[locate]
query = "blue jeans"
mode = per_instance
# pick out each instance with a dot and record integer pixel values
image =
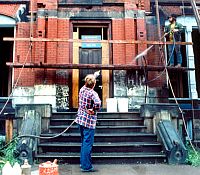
(87, 140)
(172, 49)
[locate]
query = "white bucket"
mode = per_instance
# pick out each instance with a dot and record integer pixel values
(111, 104)
(122, 104)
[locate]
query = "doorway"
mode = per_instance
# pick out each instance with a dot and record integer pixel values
(6, 55)
(91, 53)
(179, 80)
(90, 56)
(196, 48)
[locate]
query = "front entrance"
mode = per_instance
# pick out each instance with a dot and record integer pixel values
(196, 48)
(6, 55)
(91, 53)
(90, 56)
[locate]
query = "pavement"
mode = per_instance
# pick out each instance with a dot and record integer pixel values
(126, 169)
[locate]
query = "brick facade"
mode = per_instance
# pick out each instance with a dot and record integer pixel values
(51, 20)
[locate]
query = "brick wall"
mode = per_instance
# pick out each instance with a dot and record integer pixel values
(59, 52)
(23, 53)
(118, 34)
(130, 34)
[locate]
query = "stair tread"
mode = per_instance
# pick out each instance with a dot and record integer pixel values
(103, 155)
(101, 119)
(103, 134)
(64, 144)
(120, 137)
(107, 113)
(98, 127)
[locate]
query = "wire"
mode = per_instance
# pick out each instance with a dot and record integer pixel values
(168, 78)
(39, 137)
(181, 111)
(171, 54)
(16, 80)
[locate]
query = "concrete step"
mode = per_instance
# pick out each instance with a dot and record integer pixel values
(102, 122)
(103, 137)
(119, 138)
(115, 157)
(99, 147)
(72, 115)
(100, 129)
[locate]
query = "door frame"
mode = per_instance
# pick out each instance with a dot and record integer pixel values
(106, 59)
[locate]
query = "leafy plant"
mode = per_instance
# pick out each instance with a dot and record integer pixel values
(193, 156)
(7, 153)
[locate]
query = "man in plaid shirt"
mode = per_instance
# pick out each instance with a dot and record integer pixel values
(89, 104)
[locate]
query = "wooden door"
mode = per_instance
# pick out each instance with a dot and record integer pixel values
(90, 56)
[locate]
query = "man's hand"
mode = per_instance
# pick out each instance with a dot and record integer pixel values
(166, 34)
(97, 73)
(175, 30)
(90, 111)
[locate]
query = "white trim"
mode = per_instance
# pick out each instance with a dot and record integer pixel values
(189, 22)
(14, 52)
(6, 21)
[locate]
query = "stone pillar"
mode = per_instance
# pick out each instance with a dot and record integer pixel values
(41, 113)
(32, 119)
(190, 63)
(154, 112)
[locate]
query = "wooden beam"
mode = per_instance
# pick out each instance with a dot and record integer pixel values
(31, 39)
(9, 130)
(96, 66)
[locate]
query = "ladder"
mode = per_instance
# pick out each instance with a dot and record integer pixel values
(196, 13)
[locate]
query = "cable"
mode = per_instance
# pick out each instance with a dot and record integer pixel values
(145, 75)
(181, 111)
(168, 78)
(17, 80)
(39, 137)
(149, 81)
(184, 123)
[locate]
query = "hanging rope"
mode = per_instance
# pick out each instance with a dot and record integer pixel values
(18, 78)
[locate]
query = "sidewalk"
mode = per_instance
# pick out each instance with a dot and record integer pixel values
(128, 169)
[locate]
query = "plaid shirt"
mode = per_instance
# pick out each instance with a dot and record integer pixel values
(88, 99)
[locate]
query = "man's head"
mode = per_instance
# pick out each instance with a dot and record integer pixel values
(90, 81)
(172, 18)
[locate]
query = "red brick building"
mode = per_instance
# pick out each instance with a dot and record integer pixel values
(46, 51)
(57, 28)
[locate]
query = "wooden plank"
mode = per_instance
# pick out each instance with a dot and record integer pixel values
(94, 41)
(9, 130)
(97, 66)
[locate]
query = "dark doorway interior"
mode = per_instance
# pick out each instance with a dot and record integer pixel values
(90, 56)
(179, 79)
(6, 55)
(196, 48)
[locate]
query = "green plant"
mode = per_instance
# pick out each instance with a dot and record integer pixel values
(193, 156)
(7, 153)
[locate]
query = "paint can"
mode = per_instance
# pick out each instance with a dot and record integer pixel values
(49, 168)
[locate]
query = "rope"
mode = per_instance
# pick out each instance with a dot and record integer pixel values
(17, 79)
(168, 78)
(39, 137)
(181, 111)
